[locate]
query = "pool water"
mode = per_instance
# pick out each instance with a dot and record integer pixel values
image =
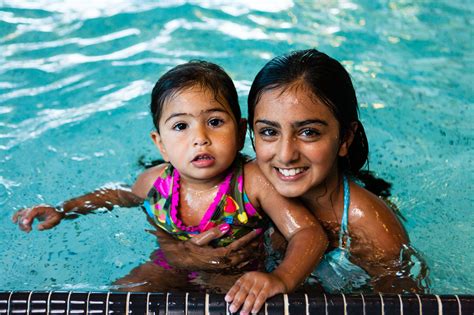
(75, 81)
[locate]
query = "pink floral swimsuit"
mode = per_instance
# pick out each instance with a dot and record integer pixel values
(231, 205)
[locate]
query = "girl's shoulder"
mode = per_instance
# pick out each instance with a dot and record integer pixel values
(366, 201)
(371, 217)
(145, 180)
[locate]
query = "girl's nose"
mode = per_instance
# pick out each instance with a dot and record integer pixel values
(288, 151)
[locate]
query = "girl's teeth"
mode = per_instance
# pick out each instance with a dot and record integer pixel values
(291, 171)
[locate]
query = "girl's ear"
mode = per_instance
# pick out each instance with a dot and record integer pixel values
(156, 138)
(242, 133)
(348, 138)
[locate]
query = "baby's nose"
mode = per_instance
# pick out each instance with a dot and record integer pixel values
(201, 141)
(201, 137)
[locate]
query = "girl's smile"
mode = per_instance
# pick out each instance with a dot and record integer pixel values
(289, 174)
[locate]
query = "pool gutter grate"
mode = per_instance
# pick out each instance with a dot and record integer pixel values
(65, 302)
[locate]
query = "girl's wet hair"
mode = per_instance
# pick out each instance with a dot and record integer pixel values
(199, 73)
(330, 83)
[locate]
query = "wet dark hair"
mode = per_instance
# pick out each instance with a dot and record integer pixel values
(194, 73)
(330, 83)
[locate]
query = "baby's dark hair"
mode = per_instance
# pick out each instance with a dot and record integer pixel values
(194, 73)
(329, 82)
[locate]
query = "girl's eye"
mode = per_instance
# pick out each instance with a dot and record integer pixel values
(267, 132)
(180, 126)
(309, 133)
(215, 122)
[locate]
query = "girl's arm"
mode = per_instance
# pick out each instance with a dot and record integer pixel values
(307, 243)
(195, 253)
(100, 198)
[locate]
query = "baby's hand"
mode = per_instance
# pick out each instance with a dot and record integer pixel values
(48, 214)
(252, 290)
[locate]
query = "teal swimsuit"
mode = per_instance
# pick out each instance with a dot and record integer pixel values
(335, 272)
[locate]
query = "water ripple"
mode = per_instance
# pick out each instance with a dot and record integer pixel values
(54, 118)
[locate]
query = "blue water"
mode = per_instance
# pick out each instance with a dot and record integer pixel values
(75, 80)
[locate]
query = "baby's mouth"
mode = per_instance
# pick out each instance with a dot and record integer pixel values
(201, 157)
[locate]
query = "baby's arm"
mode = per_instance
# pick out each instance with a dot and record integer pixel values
(306, 245)
(51, 216)
(101, 198)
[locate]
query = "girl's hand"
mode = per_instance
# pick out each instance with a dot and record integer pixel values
(195, 254)
(252, 290)
(48, 214)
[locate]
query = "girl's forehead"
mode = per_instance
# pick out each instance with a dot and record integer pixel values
(295, 100)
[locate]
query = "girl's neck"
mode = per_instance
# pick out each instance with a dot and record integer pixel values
(327, 195)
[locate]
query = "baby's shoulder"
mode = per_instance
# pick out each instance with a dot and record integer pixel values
(252, 173)
(256, 184)
(146, 179)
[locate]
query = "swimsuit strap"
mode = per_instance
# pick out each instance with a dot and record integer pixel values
(222, 191)
(344, 232)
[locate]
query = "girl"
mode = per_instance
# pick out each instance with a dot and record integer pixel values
(199, 132)
(310, 144)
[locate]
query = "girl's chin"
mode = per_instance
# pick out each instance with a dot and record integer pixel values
(289, 190)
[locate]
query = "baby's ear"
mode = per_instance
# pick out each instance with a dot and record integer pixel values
(156, 138)
(242, 132)
(348, 138)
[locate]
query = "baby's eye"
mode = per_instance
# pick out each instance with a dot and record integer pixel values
(267, 132)
(180, 126)
(215, 122)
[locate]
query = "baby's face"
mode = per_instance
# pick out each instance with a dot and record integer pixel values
(198, 135)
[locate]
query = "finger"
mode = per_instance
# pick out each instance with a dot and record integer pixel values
(250, 300)
(260, 300)
(240, 256)
(206, 237)
(17, 215)
(239, 297)
(49, 223)
(229, 297)
(24, 222)
(244, 240)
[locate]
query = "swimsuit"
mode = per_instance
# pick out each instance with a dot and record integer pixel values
(335, 272)
(231, 205)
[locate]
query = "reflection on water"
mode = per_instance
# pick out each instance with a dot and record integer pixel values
(75, 80)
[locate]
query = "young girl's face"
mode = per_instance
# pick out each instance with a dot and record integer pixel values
(297, 140)
(198, 135)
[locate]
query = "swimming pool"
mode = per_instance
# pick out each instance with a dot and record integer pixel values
(74, 89)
